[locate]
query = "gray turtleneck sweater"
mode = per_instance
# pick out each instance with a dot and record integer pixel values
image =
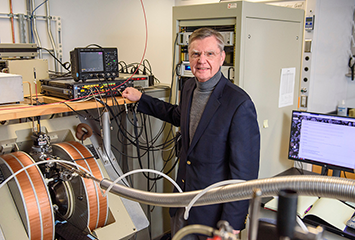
(200, 98)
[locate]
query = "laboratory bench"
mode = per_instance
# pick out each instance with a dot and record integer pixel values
(50, 105)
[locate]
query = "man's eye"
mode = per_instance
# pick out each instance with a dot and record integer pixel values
(195, 54)
(209, 54)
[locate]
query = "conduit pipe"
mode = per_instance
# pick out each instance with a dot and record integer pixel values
(34, 28)
(321, 186)
(29, 20)
(49, 30)
(12, 22)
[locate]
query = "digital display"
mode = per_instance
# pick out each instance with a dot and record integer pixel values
(94, 63)
(323, 139)
(91, 61)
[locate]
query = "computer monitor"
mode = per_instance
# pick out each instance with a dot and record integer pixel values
(323, 139)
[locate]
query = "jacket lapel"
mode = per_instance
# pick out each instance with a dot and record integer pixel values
(186, 112)
(209, 112)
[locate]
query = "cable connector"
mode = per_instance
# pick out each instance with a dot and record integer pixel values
(80, 172)
(125, 106)
(124, 101)
(151, 80)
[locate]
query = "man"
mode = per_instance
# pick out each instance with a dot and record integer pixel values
(219, 130)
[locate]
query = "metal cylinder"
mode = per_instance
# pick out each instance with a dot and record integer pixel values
(22, 30)
(286, 213)
(254, 214)
(106, 133)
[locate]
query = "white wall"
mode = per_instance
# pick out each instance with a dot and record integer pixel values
(116, 23)
(331, 46)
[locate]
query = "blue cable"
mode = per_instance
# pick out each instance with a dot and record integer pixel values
(38, 7)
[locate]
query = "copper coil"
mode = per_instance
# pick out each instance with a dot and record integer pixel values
(34, 198)
(97, 203)
(96, 171)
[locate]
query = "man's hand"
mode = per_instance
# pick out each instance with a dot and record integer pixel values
(132, 94)
(236, 233)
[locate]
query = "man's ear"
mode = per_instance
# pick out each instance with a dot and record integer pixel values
(223, 57)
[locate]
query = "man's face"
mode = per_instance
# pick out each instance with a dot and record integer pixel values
(205, 58)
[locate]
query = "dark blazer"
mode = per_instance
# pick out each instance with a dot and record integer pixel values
(226, 145)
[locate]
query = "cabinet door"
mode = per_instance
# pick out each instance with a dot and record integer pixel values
(268, 47)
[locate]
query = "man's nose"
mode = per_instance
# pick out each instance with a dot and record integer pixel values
(202, 58)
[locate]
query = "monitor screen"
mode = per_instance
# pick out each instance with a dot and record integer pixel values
(91, 61)
(323, 139)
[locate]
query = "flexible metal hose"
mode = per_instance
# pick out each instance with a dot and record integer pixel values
(321, 186)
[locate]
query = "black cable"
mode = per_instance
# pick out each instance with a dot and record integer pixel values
(160, 177)
(135, 142)
(149, 144)
(74, 110)
(134, 66)
(138, 152)
(125, 133)
(82, 137)
(150, 67)
(129, 177)
(122, 67)
(59, 75)
(62, 64)
(121, 130)
(111, 163)
(156, 80)
(93, 44)
(125, 65)
(300, 170)
(148, 158)
(108, 156)
(148, 178)
(137, 145)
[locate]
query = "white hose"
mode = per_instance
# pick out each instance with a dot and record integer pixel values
(42, 162)
(215, 185)
(141, 170)
(301, 223)
(193, 229)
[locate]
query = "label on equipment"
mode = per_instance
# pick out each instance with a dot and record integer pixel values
(231, 5)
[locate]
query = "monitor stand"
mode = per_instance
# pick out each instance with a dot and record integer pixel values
(336, 173)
